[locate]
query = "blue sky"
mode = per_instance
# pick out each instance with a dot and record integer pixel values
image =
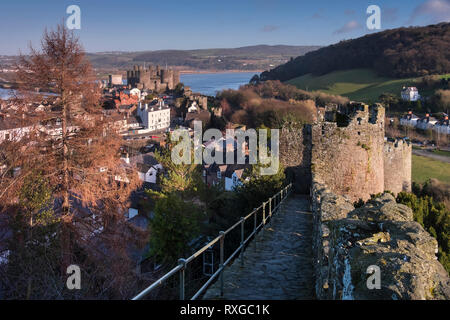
(132, 25)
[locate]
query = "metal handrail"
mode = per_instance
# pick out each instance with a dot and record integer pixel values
(182, 263)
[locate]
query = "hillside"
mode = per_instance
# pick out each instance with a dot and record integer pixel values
(356, 84)
(244, 58)
(396, 53)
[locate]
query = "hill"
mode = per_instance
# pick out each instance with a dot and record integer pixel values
(356, 84)
(258, 57)
(396, 53)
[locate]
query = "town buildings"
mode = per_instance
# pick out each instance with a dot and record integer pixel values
(409, 119)
(426, 123)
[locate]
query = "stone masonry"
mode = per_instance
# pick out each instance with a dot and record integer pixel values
(155, 79)
(347, 150)
(347, 241)
(397, 165)
(348, 156)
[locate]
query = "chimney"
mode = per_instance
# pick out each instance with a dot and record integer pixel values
(427, 115)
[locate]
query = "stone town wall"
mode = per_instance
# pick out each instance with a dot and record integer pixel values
(397, 165)
(352, 158)
(295, 155)
(349, 158)
(346, 241)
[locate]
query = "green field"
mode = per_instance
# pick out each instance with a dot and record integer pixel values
(356, 84)
(426, 168)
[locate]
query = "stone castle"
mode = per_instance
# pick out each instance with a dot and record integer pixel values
(346, 149)
(153, 78)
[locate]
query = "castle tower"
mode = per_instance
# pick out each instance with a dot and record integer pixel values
(397, 165)
(348, 156)
(176, 78)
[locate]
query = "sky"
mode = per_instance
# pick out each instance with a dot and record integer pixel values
(132, 25)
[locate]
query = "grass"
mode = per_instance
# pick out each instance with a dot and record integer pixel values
(356, 84)
(425, 168)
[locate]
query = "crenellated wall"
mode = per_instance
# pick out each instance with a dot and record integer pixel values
(381, 234)
(397, 165)
(347, 154)
(151, 78)
(347, 150)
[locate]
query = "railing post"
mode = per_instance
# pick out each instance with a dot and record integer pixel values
(182, 262)
(275, 203)
(255, 222)
(222, 240)
(242, 241)
(264, 214)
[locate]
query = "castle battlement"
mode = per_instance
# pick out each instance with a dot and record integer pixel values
(153, 78)
(350, 154)
(395, 144)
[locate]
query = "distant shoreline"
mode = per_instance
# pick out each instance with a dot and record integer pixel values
(218, 71)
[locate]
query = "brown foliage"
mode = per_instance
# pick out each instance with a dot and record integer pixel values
(271, 103)
(80, 158)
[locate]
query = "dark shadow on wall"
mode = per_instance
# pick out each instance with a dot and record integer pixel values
(300, 174)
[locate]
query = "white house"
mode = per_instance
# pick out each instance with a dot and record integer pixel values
(426, 122)
(443, 126)
(148, 167)
(409, 120)
(193, 107)
(233, 181)
(9, 130)
(155, 116)
(149, 173)
(234, 176)
(410, 94)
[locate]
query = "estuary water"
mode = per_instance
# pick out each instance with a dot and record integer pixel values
(4, 93)
(204, 83)
(210, 83)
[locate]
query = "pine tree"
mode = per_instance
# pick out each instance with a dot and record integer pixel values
(70, 141)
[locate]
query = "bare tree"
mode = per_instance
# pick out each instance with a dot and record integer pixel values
(68, 139)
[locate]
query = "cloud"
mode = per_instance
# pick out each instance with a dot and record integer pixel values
(349, 12)
(389, 14)
(349, 27)
(270, 28)
(319, 14)
(433, 11)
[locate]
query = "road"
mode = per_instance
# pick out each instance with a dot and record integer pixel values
(431, 155)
